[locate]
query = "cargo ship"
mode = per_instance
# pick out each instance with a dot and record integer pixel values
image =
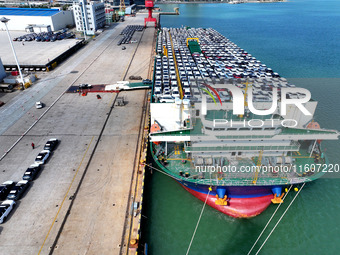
(227, 128)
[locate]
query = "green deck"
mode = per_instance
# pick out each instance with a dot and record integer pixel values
(177, 161)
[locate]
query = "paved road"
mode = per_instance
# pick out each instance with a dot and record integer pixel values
(21, 104)
(95, 223)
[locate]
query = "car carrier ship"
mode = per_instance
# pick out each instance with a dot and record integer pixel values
(238, 160)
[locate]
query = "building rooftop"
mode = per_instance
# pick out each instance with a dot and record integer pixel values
(27, 12)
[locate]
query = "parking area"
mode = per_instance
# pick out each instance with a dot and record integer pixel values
(32, 53)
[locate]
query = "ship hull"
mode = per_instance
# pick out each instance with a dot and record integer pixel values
(243, 201)
(238, 206)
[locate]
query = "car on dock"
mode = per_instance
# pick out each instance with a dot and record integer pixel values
(42, 157)
(5, 189)
(31, 172)
(85, 86)
(51, 144)
(5, 208)
(38, 105)
(18, 190)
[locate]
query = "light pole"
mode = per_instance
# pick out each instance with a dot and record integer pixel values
(5, 20)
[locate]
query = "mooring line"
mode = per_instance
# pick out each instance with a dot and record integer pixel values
(280, 219)
(269, 221)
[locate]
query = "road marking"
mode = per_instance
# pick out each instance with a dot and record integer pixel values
(68, 190)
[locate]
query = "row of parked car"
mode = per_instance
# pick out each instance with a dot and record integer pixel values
(11, 191)
(44, 37)
(216, 58)
(128, 32)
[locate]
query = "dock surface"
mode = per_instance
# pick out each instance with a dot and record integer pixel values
(32, 53)
(80, 203)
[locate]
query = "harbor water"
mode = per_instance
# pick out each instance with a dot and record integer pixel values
(299, 39)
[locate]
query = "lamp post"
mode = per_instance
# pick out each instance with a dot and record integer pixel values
(5, 20)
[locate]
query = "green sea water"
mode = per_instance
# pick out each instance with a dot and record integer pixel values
(300, 40)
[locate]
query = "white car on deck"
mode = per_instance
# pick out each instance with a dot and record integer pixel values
(167, 99)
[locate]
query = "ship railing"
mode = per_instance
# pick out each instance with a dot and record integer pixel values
(249, 181)
(295, 146)
(245, 178)
(243, 136)
(300, 131)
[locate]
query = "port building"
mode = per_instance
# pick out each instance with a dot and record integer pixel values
(22, 18)
(89, 16)
(2, 71)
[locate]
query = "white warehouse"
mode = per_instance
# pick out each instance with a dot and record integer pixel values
(89, 16)
(21, 18)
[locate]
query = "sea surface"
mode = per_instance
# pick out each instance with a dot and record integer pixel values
(299, 39)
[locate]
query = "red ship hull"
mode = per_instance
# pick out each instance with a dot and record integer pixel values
(237, 207)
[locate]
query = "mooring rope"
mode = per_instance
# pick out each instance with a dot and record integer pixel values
(265, 227)
(162, 172)
(198, 222)
(199, 219)
(280, 219)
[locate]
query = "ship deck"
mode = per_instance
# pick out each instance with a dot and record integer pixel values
(180, 166)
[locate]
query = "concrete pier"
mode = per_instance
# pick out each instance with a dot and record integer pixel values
(34, 55)
(81, 201)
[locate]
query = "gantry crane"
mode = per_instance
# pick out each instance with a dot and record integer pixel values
(149, 5)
